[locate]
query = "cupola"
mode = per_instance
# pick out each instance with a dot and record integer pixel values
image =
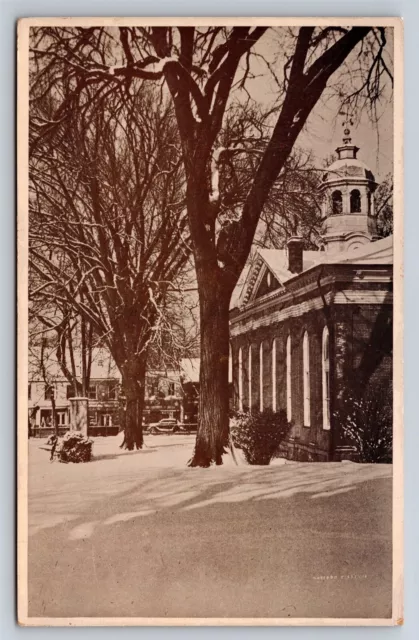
(347, 188)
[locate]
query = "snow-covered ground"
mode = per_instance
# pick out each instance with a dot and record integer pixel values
(141, 534)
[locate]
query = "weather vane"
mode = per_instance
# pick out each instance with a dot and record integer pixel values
(346, 124)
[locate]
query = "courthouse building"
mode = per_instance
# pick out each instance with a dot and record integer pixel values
(309, 326)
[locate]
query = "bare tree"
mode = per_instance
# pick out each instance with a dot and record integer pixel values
(108, 229)
(42, 366)
(384, 206)
(69, 335)
(204, 69)
(293, 206)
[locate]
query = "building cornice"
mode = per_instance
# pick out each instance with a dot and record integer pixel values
(320, 278)
(247, 322)
(341, 181)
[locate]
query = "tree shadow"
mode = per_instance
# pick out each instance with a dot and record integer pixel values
(187, 491)
(115, 456)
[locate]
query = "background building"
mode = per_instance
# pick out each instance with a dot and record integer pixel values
(168, 394)
(102, 393)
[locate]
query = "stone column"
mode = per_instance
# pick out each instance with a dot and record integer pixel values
(364, 201)
(346, 208)
(79, 415)
(372, 209)
(324, 206)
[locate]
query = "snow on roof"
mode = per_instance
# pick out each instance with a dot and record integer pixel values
(379, 252)
(347, 167)
(277, 261)
(235, 298)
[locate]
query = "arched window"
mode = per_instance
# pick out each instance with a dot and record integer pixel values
(337, 203)
(240, 379)
(306, 380)
(355, 201)
(326, 379)
(274, 375)
(250, 377)
(289, 391)
(261, 377)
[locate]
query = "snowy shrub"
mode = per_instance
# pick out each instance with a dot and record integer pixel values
(72, 447)
(367, 422)
(259, 434)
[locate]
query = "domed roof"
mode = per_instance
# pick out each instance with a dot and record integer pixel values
(348, 168)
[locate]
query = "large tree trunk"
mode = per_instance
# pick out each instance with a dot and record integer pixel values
(134, 389)
(213, 422)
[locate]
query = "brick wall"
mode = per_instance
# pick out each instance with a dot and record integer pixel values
(362, 341)
(364, 355)
(310, 439)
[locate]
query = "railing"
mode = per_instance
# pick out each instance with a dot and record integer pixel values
(45, 432)
(92, 431)
(98, 431)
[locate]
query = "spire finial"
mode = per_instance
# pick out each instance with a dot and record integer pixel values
(346, 124)
(347, 150)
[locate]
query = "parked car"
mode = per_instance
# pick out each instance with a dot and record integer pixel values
(166, 425)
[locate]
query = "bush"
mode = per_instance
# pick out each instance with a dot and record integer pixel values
(72, 447)
(367, 421)
(259, 434)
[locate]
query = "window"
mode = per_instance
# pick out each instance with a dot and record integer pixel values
(49, 393)
(29, 391)
(46, 418)
(92, 392)
(274, 375)
(61, 418)
(289, 391)
(112, 392)
(104, 419)
(306, 379)
(355, 201)
(336, 202)
(261, 377)
(326, 379)
(70, 392)
(250, 377)
(240, 379)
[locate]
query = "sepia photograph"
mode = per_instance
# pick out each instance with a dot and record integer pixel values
(210, 260)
